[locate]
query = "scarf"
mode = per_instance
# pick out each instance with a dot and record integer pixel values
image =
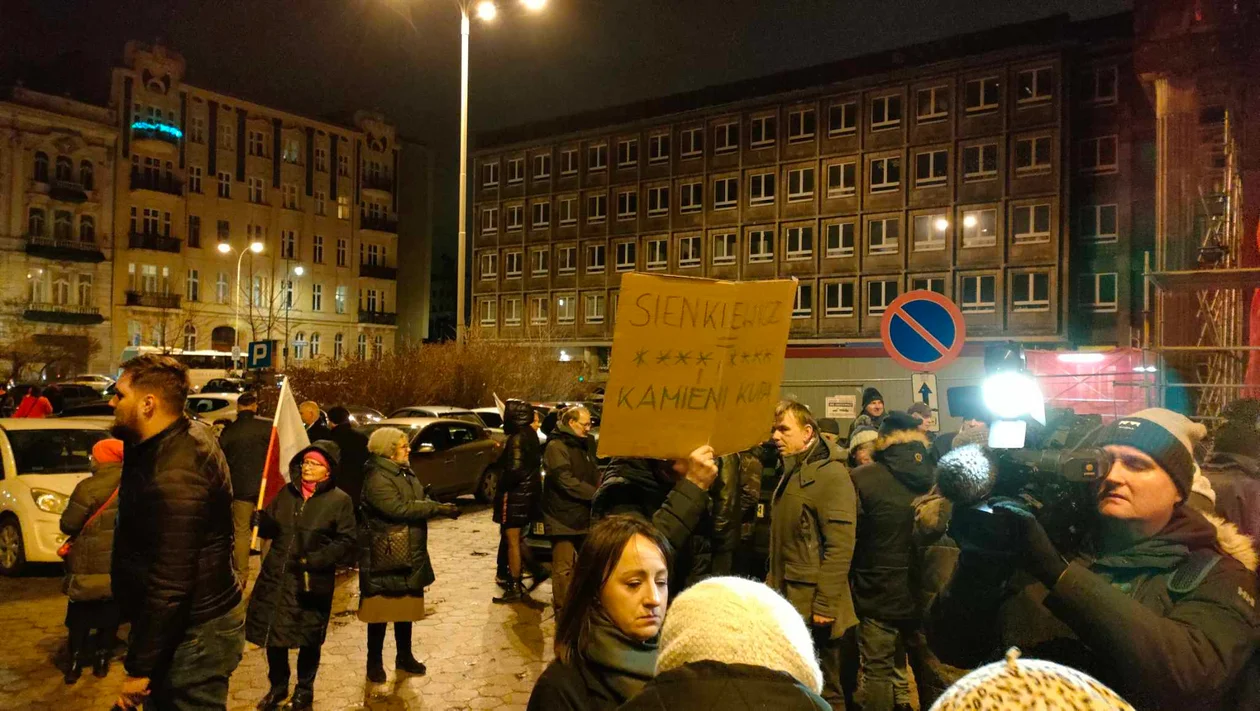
(308, 488)
(624, 665)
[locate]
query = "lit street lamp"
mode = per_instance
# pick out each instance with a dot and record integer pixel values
(295, 270)
(225, 248)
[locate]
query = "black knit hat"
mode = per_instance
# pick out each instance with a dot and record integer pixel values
(1164, 435)
(870, 395)
(898, 421)
(829, 425)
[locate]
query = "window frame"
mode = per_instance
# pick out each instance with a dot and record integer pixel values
(1033, 236)
(976, 241)
(885, 186)
(756, 180)
(596, 258)
(658, 148)
(848, 111)
(1094, 98)
(1097, 236)
(763, 241)
(693, 247)
(539, 310)
(596, 208)
(804, 236)
(568, 210)
(884, 298)
(691, 142)
(659, 194)
(840, 310)
(1030, 304)
(802, 175)
(763, 131)
(883, 247)
(725, 137)
(806, 114)
(979, 306)
(840, 251)
(983, 107)
(803, 301)
(937, 241)
(729, 189)
(935, 156)
(1094, 165)
(515, 170)
(515, 220)
(512, 315)
(1035, 167)
(537, 220)
(1037, 97)
(539, 261)
(935, 95)
(627, 265)
(488, 312)
(596, 315)
(1094, 281)
(569, 161)
(729, 241)
(542, 166)
(657, 254)
(690, 197)
(509, 257)
(887, 101)
(566, 309)
(627, 205)
(488, 267)
(597, 157)
(627, 153)
(566, 260)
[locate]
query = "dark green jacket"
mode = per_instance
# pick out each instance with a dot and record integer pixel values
(1158, 629)
(87, 568)
(812, 535)
(393, 496)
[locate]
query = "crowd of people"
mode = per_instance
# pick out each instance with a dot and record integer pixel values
(813, 571)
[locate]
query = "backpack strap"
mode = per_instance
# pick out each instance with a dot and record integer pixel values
(1190, 574)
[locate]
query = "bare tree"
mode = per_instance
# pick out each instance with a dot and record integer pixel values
(29, 348)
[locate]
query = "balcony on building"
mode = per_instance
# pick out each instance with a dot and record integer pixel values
(64, 250)
(379, 224)
(157, 243)
(378, 318)
(153, 300)
(156, 182)
(378, 271)
(63, 313)
(67, 191)
(381, 185)
(155, 137)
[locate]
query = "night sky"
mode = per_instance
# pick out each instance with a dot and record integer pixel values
(326, 57)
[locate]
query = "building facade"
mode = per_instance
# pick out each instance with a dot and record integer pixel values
(201, 176)
(56, 215)
(1000, 169)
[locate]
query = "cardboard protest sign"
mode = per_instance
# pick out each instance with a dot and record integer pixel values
(694, 362)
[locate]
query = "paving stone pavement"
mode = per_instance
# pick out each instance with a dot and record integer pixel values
(479, 655)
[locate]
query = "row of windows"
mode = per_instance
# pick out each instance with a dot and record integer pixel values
(62, 225)
(932, 104)
(290, 194)
(929, 232)
(301, 344)
(1032, 156)
(63, 170)
(154, 279)
(1028, 292)
(61, 288)
(258, 144)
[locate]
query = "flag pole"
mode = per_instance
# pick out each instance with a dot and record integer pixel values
(272, 443)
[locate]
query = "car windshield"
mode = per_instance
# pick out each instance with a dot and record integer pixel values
(491, 419)
(54, 451)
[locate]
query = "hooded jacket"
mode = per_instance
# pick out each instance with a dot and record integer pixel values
(1236, 480)
(292, 599)
(1168, 623)
(572, 478)
(520, 468)
(678, 508)
(812, 534)
(172, 559)
(883, 581)
(87, 568)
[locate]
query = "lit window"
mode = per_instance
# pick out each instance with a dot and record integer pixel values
(929, 232)
(566, 309)
(979, 228)
(1030, 292)
(982, 95)
(838, 300)
(1031, 224)
(978, 294)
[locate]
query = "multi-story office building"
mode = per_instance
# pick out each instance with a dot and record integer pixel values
(998, 168)
(56, 209)
(202, 175)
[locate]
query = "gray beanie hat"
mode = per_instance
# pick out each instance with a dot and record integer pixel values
(1166, 436)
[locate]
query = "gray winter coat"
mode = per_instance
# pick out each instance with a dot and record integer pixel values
(87, 568)
(392, 497)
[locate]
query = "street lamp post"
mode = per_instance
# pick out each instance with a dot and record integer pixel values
(486, 11)
(288, 304)
(225, 248)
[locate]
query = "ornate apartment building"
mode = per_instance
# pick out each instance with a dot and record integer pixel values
(56, 212)
(125, 224)
(1001, 169)
(198, 170)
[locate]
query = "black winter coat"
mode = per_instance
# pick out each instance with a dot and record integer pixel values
(882, 575)
(572, 478)
(292, 599)
(172, 563)
(392, 497)
(728, 687)
(354, 455)
(1236, 481)
(570, 686)
(244, 443)
(679, 510)
(87, 568)
(1162, 636)
(520, 480)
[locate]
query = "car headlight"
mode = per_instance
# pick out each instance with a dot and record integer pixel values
(49, 501)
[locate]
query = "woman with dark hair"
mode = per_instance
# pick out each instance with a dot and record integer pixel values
(606, 633)
(520, 490)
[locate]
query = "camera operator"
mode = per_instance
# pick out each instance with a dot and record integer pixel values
(1163, 609)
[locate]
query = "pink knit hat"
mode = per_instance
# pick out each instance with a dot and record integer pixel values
(318, 457)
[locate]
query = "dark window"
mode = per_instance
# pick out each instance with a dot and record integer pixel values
(54, 451)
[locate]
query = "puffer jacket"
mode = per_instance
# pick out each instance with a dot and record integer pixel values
(572, 477)
(292, 599)
(172, 562)
(1168, 623)
(881, 577)
(87, 568)
(520, 468)
(392, 497)
(730, 687)
(679, 509)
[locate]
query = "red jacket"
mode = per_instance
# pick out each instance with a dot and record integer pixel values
(37, 408)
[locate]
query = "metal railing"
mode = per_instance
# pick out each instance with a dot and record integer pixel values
(158, 243)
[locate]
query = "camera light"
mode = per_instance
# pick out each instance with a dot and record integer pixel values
(1081, 357)
(1010, 395)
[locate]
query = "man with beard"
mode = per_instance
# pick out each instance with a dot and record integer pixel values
(813, 516)
(172, 560)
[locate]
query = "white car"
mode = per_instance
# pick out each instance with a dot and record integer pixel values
(99, 383)
(214, 407)
(42, 462)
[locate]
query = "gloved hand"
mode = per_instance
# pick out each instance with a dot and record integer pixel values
(1037, 553)
(254, 517)
(450, 511)
(982, 537)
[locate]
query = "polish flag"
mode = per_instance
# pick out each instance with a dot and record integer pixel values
(288, 437)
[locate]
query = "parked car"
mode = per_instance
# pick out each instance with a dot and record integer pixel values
(438, 411)
(66, 395)
(362, 416)
(224, 385)
(450, 456)
(214, 407)
(42, 462)
(97, 382)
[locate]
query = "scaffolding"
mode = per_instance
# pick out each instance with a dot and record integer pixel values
(1203, 360)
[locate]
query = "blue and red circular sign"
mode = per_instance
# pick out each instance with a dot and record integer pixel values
(923, 330)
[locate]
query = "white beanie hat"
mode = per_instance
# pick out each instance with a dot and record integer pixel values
(1017, 684)
(738, 621)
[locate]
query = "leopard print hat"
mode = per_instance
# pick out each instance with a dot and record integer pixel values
(1028, 684)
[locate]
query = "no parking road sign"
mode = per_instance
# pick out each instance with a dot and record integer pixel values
(923, 330)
